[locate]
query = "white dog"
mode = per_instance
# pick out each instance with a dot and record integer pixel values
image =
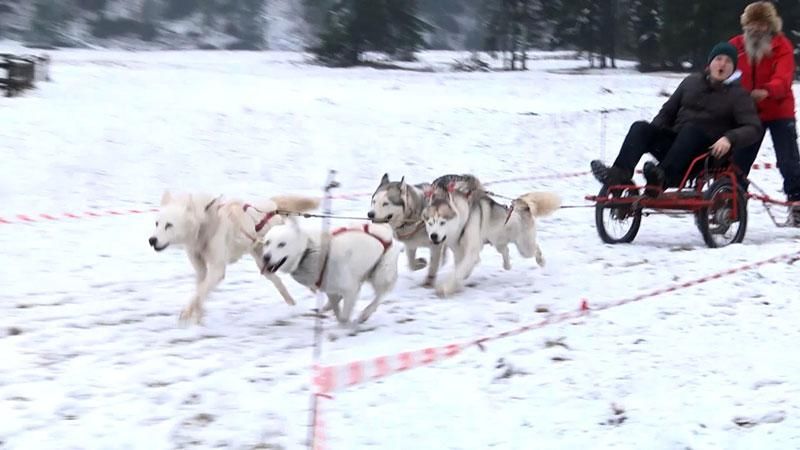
(216, 233)
(465, 224)
(338, 263)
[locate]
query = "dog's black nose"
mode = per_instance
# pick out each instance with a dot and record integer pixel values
(371, 215)
(435, 237)
(153, 241)
(266, 258)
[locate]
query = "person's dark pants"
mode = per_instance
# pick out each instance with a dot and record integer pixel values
(674, 151)
(784, 139)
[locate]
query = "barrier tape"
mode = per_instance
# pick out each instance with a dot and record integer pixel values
(44, 217)
(332, 378)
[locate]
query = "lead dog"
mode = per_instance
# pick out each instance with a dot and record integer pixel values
(337, 263)
(216, 234)
(465, 223)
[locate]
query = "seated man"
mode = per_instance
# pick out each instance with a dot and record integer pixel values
(708, 110)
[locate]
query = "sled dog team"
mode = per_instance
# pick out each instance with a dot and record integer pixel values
(453, 212)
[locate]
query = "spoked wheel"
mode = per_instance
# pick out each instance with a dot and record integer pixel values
(617, 223)
(719, 223)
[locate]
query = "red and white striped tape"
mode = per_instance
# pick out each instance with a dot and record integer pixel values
(44, 217)
(540, 177)
(696, 281)
(338, 377)
(333, 378)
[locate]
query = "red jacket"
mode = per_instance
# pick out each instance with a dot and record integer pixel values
(774, 73)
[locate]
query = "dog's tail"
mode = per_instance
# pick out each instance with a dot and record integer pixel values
(295, 203)
(540, 204)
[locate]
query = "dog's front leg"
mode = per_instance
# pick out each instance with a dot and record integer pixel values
(453, 282)
(348, 304)
(437, 254)
(333, 304)
(199, 265)
(194, 311)
(414, 263)
(467, 256)
(275, 279)
(538, 255)
(503, 250)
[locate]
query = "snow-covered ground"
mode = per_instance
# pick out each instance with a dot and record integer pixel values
(93, 356)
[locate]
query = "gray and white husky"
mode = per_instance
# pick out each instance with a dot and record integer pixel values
(400, 205)
(465, 223)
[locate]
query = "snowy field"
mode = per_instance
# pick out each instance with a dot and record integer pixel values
(93, 356)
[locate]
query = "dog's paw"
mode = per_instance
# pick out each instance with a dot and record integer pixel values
(190, 316)
(506, 265)
(419, 264)
(446, 289)
(429, 283)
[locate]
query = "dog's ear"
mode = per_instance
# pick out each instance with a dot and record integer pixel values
(166, 197)
(384, 180)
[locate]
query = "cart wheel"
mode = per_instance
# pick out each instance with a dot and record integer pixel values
(617, 224)
(719, 224)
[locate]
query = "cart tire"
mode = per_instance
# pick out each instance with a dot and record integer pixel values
(612, 227)
(714, 221)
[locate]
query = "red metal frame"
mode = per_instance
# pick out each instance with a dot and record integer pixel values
(682, 198)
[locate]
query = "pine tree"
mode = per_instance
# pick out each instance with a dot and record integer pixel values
(646, 24)
(50, 17)
(252, 22)
(512, 27)
(353, 27)
(405, 29)
(149, 18)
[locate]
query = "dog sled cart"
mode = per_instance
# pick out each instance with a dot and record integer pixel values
(711, 190)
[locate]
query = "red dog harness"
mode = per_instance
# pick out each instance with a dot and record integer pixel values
(363, 229)
(264, 219)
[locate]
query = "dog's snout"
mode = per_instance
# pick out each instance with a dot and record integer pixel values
(266, 258)
(435, 237)
(371, 215)
(153, 241)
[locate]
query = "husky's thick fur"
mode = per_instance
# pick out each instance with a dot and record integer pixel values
(465, 224)
(216, 233)
(400, 205)
(338, 263)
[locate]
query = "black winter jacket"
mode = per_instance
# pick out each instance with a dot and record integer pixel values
(719, 109)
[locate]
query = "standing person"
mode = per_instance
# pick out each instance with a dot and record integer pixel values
(766, 60)
(708, 110)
